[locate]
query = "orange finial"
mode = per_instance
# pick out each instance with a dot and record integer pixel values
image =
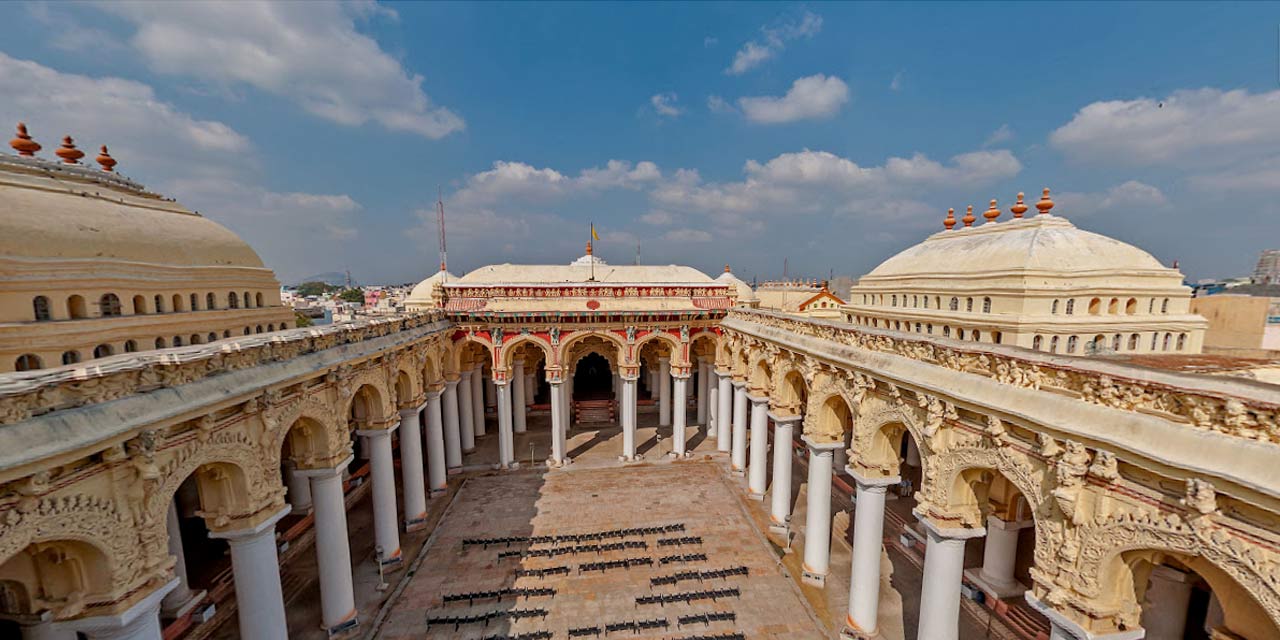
(22, 143)
(1045, 204)
(950, 220)
(726, 268)
(588, 247)
(108, 163)
(968, 217)
(1018, 207)
(991, 213)
(68, 151)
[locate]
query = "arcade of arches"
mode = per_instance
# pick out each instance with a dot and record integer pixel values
(1116, 501)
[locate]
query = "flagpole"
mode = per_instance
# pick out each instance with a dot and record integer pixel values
(592, 258)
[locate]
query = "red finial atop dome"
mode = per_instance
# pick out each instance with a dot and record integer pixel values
(1018, 207)
(968, 217)
(950, 220)
(22, 142)
(1045, 204)
(105, 160)
(68, 151)
(992, 212)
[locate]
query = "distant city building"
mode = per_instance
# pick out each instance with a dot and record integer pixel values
(1244, 320)
(1268, 269)
(801, 297)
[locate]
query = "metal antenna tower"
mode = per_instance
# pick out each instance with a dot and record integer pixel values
(444, 252)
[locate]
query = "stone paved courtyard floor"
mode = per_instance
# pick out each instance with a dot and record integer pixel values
(585, 500)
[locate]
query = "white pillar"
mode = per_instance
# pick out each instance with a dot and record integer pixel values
(704, 373)
(758, 472)
(817, 525)
(739, 460)
(46, 630)
(628, 411)
(411, 476)
(506, 440)
(437, 482)
(940, 588)
(713, 407)
(780, 500)
(913, 453)
(299, 489)
(477, 399)
(517, 397)
(679, 383)
(568, 403)
(382, 472)
(466, 423)
(255, 568)
(999, 554)
(139, 622)
(868, 540)
(1164, 609)
(333, 553)
(653, 384)
(452, 434)
(1062, 627)
(490, 390)
(724, 413)
(557, 423)
(178, 601)
(664, 392)
(530, 389)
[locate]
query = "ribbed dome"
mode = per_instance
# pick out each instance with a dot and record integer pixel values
(745, 294)
(423, 295)
(1041, 244)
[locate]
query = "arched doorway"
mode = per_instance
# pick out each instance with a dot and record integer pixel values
(593, 378)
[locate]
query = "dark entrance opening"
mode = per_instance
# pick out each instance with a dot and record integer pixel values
(593, 379)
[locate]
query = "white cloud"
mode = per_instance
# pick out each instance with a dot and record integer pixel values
(1000, 136)
(772, 42)
(508, 181)
(687, 235)
(311, 53)
(1188, 128)
(658, 218)
(665, 104)
(618, 174)
(811, 97)
(1130, 195)
(716, 104)
(896, 83)
(710, 41)
(1262, 176)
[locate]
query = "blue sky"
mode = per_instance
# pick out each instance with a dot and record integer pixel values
(832, 135)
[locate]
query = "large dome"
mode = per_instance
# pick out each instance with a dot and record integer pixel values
(745, 294)
(423, 295)
(1043, 244)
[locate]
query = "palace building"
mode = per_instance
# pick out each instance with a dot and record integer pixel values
(574, 450)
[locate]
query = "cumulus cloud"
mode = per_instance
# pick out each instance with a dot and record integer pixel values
(658, 218)
(716, 104)
(1263, 176)
(664, 104)
(311, 53)
(1189, 127)
(1126, 196)
(520, 181)
(811, 97)
(687, 235)
(773, 40)
(1000, 136)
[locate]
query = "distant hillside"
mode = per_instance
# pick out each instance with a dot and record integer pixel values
(332, 277)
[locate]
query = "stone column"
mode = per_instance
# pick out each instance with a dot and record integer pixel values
(703, 373)
(940, 589)
(333, 553)
(568, 403)
(437, 483)
(999, 553)
(477, 399)
(411, 467)
(46, 630)
(466, 423)
(664, 392)
(452, 434)
(506, 440)
(868, 540)
(299, 489)
(557, 424)
(739, 460)
(518, 407)
(1064, 628)
(255, 567)
(913, 453)
(490, 391)
(181, 599)
(713, 407)
(724, 413)
(679, 385)
(139, 622)
(628, 411)
(382, 473)
(530, 389)
(780, 503)
(817, 524)
(1164, 609)
(653, 384)
(758, 472)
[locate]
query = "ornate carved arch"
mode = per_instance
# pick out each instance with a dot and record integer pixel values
(1027, 474)
(510, 347)
(784, 399)
(453, 357)
(566, 345)
(92, 520)
(679, 357)
(867, 452)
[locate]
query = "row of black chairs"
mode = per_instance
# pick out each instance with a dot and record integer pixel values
(532, 635)
(624, 563)
(694, 574)
(733, 635)
(576, 537)
(689, 596)
(499, 594)
(679, 542)
(597, 549)
(484, 618)
(636, 626)
(688, 557)
(707, 618)
(543, 572)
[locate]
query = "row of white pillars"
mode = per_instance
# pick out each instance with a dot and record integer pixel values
(629, 413)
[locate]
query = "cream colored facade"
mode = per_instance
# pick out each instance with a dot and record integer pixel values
(1038, 283)
(806, 298)
(1242, 324)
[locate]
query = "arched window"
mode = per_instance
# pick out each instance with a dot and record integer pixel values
(177, 341)
(1071, 344)
(968, 305)
(977, 336)
(1133, 342)
(1095, 307)
(955, 304)
(109, 304)
(159, 301)
(1113, 307)
(997, 337)
(28, 362)
(1182, 341)
(917, 327)
(213, 337)
(195, 302)
(925, 299)
(1071, 307)
(247, 331)
(160, 343)
(130, 346)
(76, 308)
(894, 300)
(211, 302)
(177, 302)
(1054, 309)
(1164, 306)
(233, 300)
(258, 329)
(946, 332)
(247, 301)
(1131, 307)
(1053, 345)
(102, 351)
(1115, 342)
(986, 305)
(70, 357)
(40, 305)
(1151, 305)
(195, 338)
(1036, 342)
(226, 333)
(1154, 338)
(937, 302)
(139, 305)
(1167, 338)
(915, 301)
(929, 328)
(960, 333)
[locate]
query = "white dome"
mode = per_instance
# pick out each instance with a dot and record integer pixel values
(745, 294)
(423, 295)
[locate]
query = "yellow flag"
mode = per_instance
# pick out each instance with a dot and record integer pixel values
(594, 236)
